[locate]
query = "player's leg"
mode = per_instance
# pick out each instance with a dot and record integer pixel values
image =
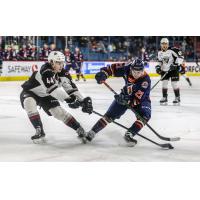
(165, 80)
(81, 74)
(115, 111)
(77, 69)
(30, 106)
(144, 111)
(187, 79)
(175, 86)
(61, 114)
(52, 107)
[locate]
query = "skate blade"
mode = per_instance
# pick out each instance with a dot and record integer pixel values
(42, 140)
(83, 140)
(131, 144)
(164, 104)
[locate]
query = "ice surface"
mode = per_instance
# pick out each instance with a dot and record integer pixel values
(62, 145)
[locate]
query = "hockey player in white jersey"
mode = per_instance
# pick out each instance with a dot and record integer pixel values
(169, 66)
(46, 88)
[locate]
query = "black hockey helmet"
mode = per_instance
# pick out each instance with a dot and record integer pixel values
(137, 65)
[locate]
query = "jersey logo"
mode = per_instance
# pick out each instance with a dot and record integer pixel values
(145, 84)
(139, 94)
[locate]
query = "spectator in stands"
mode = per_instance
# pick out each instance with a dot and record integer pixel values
(143, 55)
(44, 52)
(23, 53)
(8, 54)
(52, 47)
(32, 55)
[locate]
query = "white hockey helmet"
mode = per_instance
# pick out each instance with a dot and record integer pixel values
(164, 40)
(56, 56)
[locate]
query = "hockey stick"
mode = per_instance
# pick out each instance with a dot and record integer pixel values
(166, 145)
(143, 120)
(159, 80)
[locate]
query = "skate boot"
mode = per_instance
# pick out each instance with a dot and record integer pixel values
(163, 101)
(84, 79)
(176, 101)
(77, 79)
(188, 80)
(81, 135)
(39, 136)
(128, 137)
(90, 135)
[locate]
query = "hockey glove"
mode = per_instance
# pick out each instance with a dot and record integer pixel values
(100, 76)
(122, 99)
(72, 101)
(86, 105)
(158, 69)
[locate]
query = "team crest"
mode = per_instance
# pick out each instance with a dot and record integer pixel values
(145, 84)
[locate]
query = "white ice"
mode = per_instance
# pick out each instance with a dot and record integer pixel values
(62, 144)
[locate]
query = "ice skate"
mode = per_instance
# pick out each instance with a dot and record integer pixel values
(90, 135)
(39, 136)
(163, 101)
(81, 135)
(128, 137)
(176, 101)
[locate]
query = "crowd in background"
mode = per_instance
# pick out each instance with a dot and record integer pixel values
(94, 47)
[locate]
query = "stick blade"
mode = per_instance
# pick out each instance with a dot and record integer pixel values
(167, 146)
(175, 139)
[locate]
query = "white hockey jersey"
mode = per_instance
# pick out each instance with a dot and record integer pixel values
(172, 56)
(46, 82)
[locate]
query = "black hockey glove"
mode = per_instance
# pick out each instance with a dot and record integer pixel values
(100, 76)
(122, 99)
(86, 105)
(158, 69)
(72, 101)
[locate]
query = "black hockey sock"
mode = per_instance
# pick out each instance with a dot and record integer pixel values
(72, 123)
(188, 80)
(164, 92)
(78, 76)
(36, 121)
(101, 123)
(177, 92)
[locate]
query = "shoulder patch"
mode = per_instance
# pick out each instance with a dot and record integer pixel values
(145, 84)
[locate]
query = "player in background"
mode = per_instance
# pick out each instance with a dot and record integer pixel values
(1, 61)
(183, 73)
(46, 88)
(78, 62)
(70, 60)
(135, 93)
(170, 62)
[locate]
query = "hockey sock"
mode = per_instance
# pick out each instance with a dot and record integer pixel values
(101, 123)
(177, 92)
(78, 76)
(164, 92)
(72, 123)
(35, 120)
(188, 80)
(136, 127)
